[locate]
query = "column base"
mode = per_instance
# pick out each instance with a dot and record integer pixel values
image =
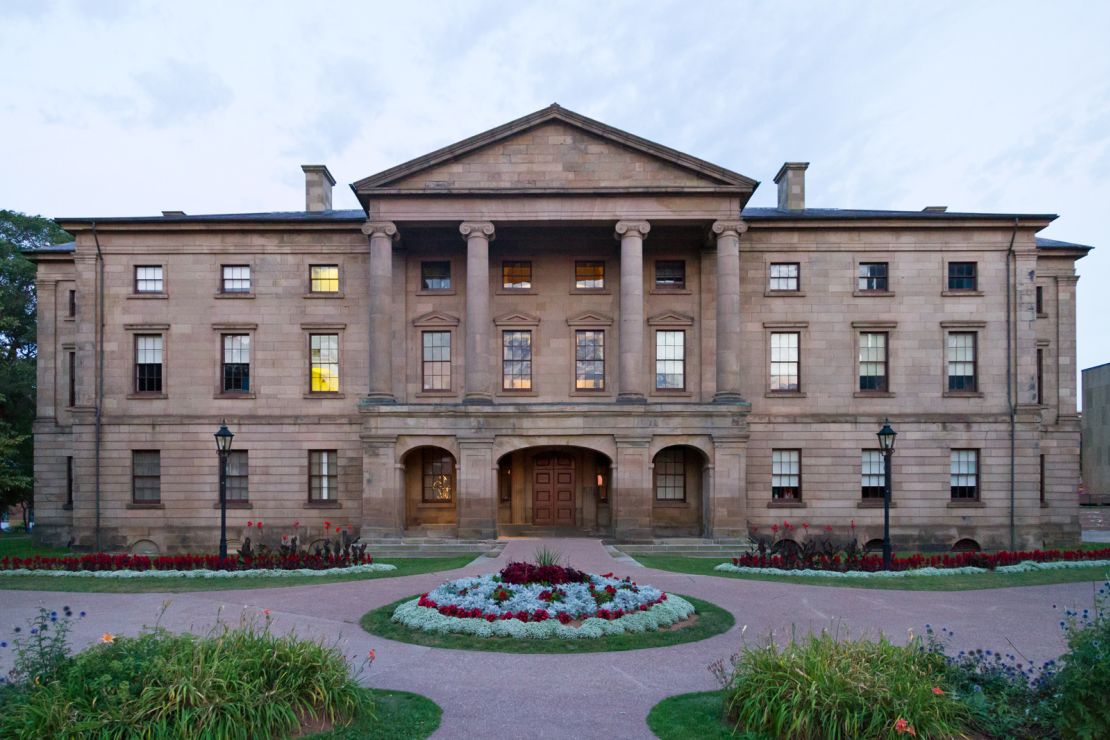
(380, 398)
(728, 397)
(478, 399)
(631, 398)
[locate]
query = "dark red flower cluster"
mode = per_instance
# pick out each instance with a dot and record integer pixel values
(103, 561)
(947, 560)
(553, 575)
(539, 615)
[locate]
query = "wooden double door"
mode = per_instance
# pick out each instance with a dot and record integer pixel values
(553, 489)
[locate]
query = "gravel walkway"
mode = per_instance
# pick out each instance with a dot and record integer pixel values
(600, 695)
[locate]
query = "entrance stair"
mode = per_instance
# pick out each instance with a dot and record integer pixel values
(695, 547)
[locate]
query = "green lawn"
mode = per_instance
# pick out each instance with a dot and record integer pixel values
(698, 716)
(405, 567)
(704, 567)
(398, 715)
(712, 620)
(22, 546)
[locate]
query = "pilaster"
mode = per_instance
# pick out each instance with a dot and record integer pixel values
(1065, 346)
(477, 494)
(383, 492)
(631, 497)
(46, 317)
(727, 512)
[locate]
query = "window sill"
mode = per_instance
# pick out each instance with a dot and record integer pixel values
(786, 504)
(873, 503)
(784, 293)
(234, 396)
(436, 394)
(149, 296)
(69, 318)
(590, 291)
(669, 504)
(966, 505)
(784, 394)
(324, 295)
(448, 291)
(873, 293)
(145, 506)
(598, 393)
(516, 291)
(436, 505)
(146, 396)
(323, 505)
(670, 291)
(324, 394)
(958, 293)
(963, 394)
(873, 394)
(511, 393)
(234, 295)
(235, 505)
(676, 393)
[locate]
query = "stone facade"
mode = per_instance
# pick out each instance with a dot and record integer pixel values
(636, 294)
(1096, 433)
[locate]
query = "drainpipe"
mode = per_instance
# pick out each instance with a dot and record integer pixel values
(99, 376)
(1010, 362)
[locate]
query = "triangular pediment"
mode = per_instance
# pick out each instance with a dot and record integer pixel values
(517, 318)
(436, 318)
(555, 150)
(590, 318)
(671, 318)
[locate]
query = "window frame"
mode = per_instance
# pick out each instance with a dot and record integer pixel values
(505, 331)
(224, 290)
(796, 277)
(670, 287)
(68, 505)
(224, 390)
(312, 291)
(428, 463)
(604, 370)
(238, 476)
(657, 473)
(865, 474)
(507, 266)
(325, 475)
(1040, 376)
(424, 361)
(591, 289)
(860, 289)
(422, 288)
(797, 496)
(135, 477)
(313, 333)
(884, 362)
(1039, 299)
(71, 304)
(973, 277)
(136, 391)
(797, 361)
(71, 366)
(683, 360)
(137, 281)
(977, 458)
(948, 362)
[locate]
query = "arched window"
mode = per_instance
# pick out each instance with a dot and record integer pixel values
(438, 476)
(670, 475)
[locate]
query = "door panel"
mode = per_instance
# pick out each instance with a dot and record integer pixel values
(553, 490)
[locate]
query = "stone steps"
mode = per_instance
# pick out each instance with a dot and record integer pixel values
(432, 547)
(686, 547)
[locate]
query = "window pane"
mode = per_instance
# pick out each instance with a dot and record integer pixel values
(236, 278)
(670, 274)
(437, 360)
(670, 474)
(146, 472)
(589, 275)
(786, 474)
(961, 361)
(589, 359)
(237, 471)
(670, 360)
(437, 476)
(873, 277)
(873, 480)
(148, 363)
(324, 350)
(516, 360)
(435, 275)
(784, 276)
(872, 361)
(323, 475)
(962, 275)
(785, 366)
(965, 474)
(324, 278)
(236, 363)
(516, 274)
(148, 279)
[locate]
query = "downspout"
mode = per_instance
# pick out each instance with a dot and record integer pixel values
(99, 376)
(1010, 370)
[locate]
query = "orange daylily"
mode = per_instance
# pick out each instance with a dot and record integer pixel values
(108, 637)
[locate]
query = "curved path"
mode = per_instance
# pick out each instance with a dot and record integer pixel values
(599, 695)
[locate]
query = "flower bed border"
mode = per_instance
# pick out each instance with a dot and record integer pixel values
(1024, 566)
(203, 572)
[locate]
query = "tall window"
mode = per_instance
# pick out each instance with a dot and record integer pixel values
(148, 363)
(670, 474)
(235, 279)
(670, 274)
(146, 476)
(1041, 481)
(435, 275)
(589, 359)
(323, 475)
(1040, 301)
(965, 475)
(670, 360)
(873, 277)
(516, 360)
(516, 275)
(873, 478)
(784, 276)
(237, 474)
(323, 278)
(71, 358)
(786, 474)
(872, 361)
(148, 279)
(324, 351)
(963, 276)
(589, 275)
(1040, 377)
(72, 309)
(962, 372)
(785, 365)
(436, 370)
(69, 481)
(437, 477)
(236, 363)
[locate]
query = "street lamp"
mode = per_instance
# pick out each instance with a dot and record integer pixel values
(886, 446)
(223, 447)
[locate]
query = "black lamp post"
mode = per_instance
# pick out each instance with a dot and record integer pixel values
(223, 447)
(886, 446)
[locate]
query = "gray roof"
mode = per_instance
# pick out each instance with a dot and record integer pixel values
(1043, 243)
(779, 214)
(63, 248)
(356, 214)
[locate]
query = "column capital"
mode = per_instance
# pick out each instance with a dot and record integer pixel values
(477, 228)
(720, 228)
(383, 228)
(637, 228)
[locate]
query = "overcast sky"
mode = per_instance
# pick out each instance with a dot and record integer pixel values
(127, 108)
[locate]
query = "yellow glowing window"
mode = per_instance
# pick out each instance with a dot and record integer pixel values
(325, 363)
(325, 278)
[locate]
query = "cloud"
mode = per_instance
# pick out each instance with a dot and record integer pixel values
(178, 92)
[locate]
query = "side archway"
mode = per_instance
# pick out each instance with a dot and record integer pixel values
(431, 489)
(678, 482)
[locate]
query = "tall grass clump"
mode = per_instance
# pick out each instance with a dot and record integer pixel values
(547, 556)
(240, 682)
(824, 687)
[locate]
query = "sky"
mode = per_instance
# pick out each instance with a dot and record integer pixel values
(115, 108)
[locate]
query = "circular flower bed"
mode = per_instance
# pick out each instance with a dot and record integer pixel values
(541, 602)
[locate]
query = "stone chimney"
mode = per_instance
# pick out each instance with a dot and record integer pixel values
(318, 183)
(791, 180)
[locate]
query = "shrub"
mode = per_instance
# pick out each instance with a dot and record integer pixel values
(822, 687)
(1083, 683)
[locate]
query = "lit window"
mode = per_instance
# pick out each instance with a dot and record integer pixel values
(516, 275)
(786, 474)
(873, 481)
(784, 276)
(670, 474)
(148, 279)
(962, 276)
(148, 363)
(237, 471)
(785, 365)
(323, 475)
(670, 360)
(589, 275)
(437, 477)
(670, 274)
(324, 278)
(873, 277)
(435, 275)
(146, 476)
(437, 360)
(236, 363)
(965, 475)
(962, 361)
(325, 362)
(589, 359)
(872, 361)
(516, 360)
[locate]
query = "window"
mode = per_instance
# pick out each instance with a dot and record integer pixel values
(323, 475)
(72, 309)
(1040, 301)
(589, 360)
(1041, 481)
(148, 363)
(435, 275)
(516, 275)
(236, 279)
(962, 361)
(873, 475)
(148, 279)
(516, 360)
(589, 275)
(324, 279)
(1040, 377)
(237, 476)
(69, 482)
(71, 358)
(873, 277)
(324, 350)
(965, 475)
(670, 360)
(784, 276)
(962, 276)
(236, 363)
(437, 477)
(436, 361)
(785, 366)
(670, 475)
(670, 274)
(786, 475)
(872, 361)
(146, 476)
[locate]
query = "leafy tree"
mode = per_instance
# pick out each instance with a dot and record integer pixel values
(18, 350)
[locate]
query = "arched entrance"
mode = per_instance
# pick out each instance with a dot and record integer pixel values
(678, 491)
(554, 488)
(431, 490)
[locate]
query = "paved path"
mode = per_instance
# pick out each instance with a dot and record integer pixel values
(602, 695)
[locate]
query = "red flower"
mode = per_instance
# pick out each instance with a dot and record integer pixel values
(296, 524)
(260, 525)
(327, 525)
(938, 691)
(775, 528)
(805, 526)
(337, 530)
(902, 727)
(250, 524)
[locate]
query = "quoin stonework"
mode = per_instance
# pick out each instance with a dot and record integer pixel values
(557, 325)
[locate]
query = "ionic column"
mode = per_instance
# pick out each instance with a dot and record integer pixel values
(478, 235)
(728, 310)
(382, 235)
(631, 338)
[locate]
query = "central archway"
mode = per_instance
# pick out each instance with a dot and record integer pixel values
(560, 488)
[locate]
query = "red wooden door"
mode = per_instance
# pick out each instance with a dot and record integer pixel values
(553, 490)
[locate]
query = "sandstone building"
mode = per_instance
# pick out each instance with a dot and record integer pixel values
(557, 324)
(1096, 434)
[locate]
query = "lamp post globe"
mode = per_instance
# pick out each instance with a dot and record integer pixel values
(886, 436)
(223, 447)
